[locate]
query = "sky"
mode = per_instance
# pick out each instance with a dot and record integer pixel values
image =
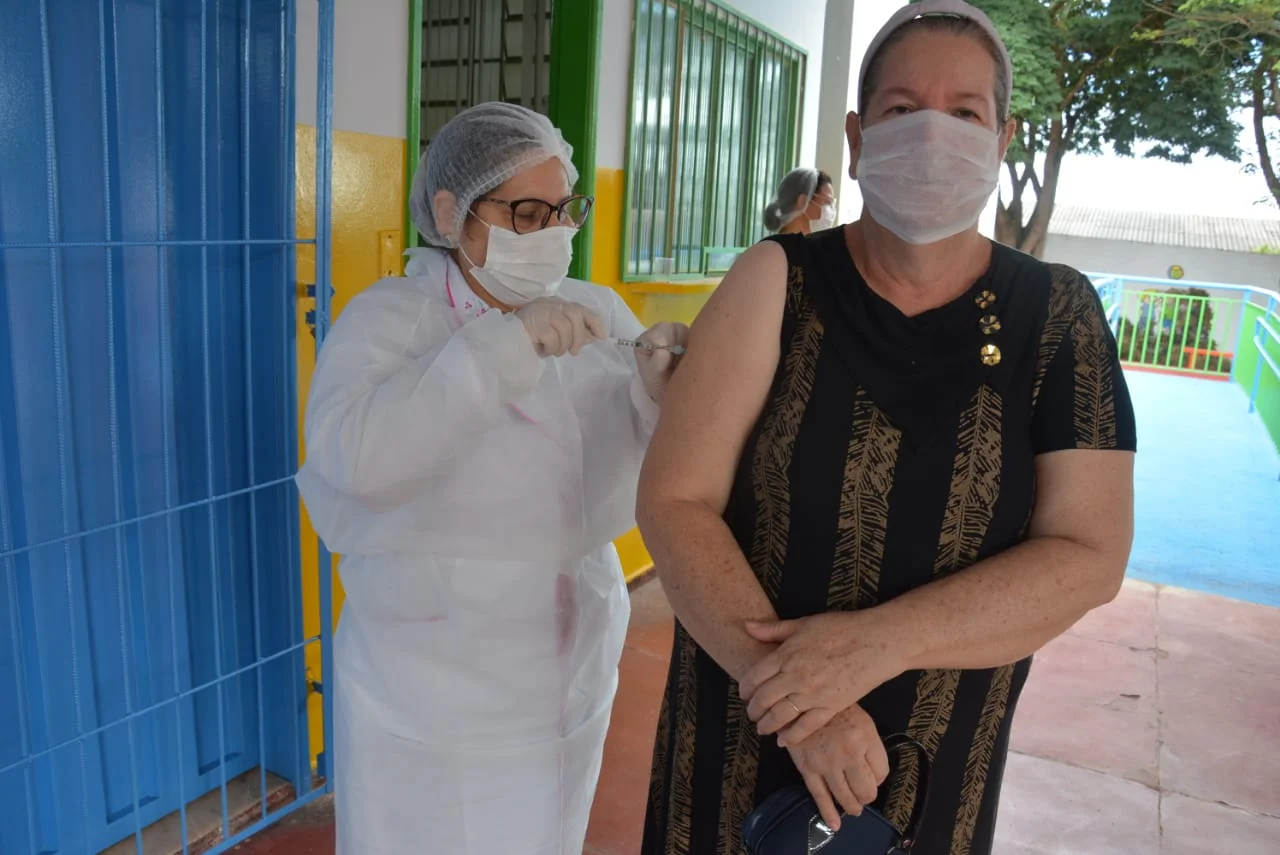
(1209, 186)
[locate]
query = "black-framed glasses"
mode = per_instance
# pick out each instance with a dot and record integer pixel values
(532, 215)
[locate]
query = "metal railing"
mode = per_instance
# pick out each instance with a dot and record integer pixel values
(151, 641)
(1265, 340)
(1200, 329)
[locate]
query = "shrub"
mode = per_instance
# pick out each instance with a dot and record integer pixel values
(1169, 321)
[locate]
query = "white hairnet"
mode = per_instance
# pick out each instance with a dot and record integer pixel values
(479, 149)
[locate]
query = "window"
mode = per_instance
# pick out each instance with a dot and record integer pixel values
(481, 50)
(542, 54)
(714, 126)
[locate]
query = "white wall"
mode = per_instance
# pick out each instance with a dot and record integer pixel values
(1146, 259)
(832, 154)
(868, 17)
(798, 21)
(371, 60)
(614, 99)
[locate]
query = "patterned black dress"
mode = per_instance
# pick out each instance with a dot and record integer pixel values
(892, 451)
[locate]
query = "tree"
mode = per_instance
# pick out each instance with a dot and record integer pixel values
(1084, 77)
(1238, 40)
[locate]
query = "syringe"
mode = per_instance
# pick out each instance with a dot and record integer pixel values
(676, 349)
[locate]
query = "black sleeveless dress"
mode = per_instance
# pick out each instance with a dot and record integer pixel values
(892, 451)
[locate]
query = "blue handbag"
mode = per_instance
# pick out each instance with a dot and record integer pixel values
(788, 822)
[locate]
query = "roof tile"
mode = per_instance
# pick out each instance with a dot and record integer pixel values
(1231, 234)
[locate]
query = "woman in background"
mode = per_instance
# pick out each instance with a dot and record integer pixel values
(805, 204)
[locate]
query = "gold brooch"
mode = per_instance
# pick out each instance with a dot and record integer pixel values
(985, 300)
(990, 355)
(989, 323)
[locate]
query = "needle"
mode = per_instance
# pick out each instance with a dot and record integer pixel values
(676, 349)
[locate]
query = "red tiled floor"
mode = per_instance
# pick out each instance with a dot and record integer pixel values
(1092, 704)
(1220, 694)
(651, 621)
(1193, 827)
(1235, 635)
(291, 841)
(618, 813)
(308, 832)
(1049, 807)
(1221, 732)
(1085, 776)
(1130, 620)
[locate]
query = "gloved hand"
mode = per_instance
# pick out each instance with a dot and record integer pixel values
(556, 327)
(655, 367)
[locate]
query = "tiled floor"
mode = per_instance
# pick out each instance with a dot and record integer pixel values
(1149, 729)
(307, 832)
(1151, 724)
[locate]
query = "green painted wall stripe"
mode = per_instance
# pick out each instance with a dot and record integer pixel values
(413, 134)
(575, 85)
(1249, 367)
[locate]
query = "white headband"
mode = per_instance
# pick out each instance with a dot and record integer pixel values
(944, 9)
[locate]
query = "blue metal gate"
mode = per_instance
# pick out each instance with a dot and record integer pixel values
(151, 643)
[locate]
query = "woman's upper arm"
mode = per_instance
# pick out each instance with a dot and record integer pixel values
(1086, 496)
(1083, 429)
(721, 387)
(1080, 398)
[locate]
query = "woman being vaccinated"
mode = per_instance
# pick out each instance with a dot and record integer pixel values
(896, 463)
(474, 436)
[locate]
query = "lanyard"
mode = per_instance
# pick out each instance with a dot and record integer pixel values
(457, 316)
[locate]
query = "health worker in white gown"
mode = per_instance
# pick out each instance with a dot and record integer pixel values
(473, 444)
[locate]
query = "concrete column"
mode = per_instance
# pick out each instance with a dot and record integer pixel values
(834, 95)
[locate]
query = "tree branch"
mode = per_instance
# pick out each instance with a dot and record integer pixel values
(1157, 11)
(1260, 75)
(1275, 87)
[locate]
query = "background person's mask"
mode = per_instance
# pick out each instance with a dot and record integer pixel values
(522, 268)
(826, 219)
(927, 176)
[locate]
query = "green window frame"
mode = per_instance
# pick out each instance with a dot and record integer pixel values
(544, 54)
(714, 125)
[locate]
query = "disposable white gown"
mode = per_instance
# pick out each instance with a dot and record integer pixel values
(473, 491)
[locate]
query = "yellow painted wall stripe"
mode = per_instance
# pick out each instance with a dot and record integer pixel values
(368, 202)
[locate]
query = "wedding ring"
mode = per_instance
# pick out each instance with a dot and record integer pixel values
(793, 706)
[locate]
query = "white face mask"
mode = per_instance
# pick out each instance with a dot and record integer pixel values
(927, 176)
(826, 219)
(522, 268)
